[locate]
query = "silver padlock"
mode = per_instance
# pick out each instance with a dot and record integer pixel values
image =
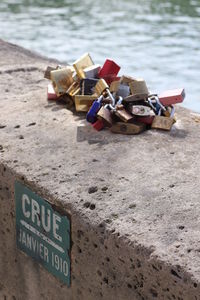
(92, 71)
(140, 110)
(123, 91)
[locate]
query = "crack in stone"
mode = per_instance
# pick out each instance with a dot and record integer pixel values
(27, 69)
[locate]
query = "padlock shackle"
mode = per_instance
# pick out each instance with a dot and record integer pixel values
(172, 111)
(119, 100)
(160, 104)
(111, 97)
(149, 100)
(99, 100)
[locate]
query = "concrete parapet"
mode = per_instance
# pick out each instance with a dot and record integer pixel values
(133, 201)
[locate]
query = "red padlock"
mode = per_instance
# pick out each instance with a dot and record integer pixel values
(146, 120)
(172, 97)
(98, 125)
(110, 78)
(51, 95)
(110, 68)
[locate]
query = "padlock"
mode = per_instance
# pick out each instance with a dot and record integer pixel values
(74, 89)
(123, 91)
(138, 86)
(105, 115)
(140, 110)
(123, 114)
(172, 97)
(114, 86)
(148, 120)
(169, 110)
(136, 98)
(47, 73)
(92, 71)
(101, 87)
(128, 128)
(98, 125)
(91, 116)
(126, 79)
(51, 94)
(87, 86)
(110, 68)
(110, 78)
(82, 63)
(83, 102)
(61, 79)
(68, 101)
(162, 122)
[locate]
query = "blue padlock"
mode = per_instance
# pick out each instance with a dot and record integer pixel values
(92, 113)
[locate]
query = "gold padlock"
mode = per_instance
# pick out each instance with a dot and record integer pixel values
(169, 112)
(83, 102)
(121, 113)
(62, 79)
(82, 63)
(161, 122)
(101, 86)
(128, 128)
(138, 86)
(105, 115)
(74, 89)
(126, 79)
(114, 86)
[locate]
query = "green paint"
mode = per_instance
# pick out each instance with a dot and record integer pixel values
(42, 232)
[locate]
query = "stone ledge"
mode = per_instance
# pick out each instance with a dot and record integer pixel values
(137, 236)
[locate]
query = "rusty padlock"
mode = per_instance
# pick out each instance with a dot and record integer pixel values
(138, 86)
(47, 73)
(125, 79)
(105, 115)
(136, 98)
(162, 122)
(62, 79)
(80, 64)
(128, 128)
(114, 86)
(122, 113)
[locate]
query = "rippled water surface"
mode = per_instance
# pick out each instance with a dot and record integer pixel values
(156, 40)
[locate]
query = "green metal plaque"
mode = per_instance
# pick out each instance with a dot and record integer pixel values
(42, 232)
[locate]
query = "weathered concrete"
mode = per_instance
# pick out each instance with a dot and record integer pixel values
(137, 236)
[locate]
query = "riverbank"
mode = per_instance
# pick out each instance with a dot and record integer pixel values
(133, 201)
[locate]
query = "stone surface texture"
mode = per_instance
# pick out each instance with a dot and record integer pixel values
(133, 200)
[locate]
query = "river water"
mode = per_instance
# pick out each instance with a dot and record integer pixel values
(156, 40)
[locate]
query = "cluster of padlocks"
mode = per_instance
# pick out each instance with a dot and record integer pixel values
(123, 104)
